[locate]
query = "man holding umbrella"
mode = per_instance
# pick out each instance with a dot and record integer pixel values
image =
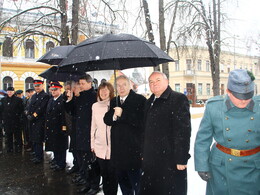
(36, 115)
(126, 115)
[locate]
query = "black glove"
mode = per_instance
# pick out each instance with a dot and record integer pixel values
(30, 117)
(205, 175)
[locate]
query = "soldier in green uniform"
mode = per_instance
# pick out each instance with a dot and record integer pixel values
(231, 166)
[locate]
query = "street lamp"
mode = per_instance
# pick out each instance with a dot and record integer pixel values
(2, 39)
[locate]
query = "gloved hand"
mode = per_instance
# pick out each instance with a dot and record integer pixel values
(205, 175)
(30, 117)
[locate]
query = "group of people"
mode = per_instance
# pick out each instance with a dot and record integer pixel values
(142, 144)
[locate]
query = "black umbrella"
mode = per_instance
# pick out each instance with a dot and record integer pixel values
(56, 73)
(114, 52)
(56, 55)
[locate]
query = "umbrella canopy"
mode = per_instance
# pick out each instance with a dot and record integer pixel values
(115, 52)
(56, 73)
(56, 55)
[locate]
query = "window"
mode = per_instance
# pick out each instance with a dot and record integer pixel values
(199, 65)
(188, 64)
(28, 83)
(49, 46)
(8, 47)
(177, 65)
(29, 48)
(208, 89)
(7, 82)
(207, 66)
(177, 87)
(200, 89)
(228, 68)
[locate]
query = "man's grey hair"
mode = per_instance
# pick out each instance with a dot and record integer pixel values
(71, 83)
(123, 77)
(158, 72)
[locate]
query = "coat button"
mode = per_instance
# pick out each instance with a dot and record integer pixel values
(226, 118)
(249, 130)
(252, 118)
(227, 129)
(247, 140)
(229, 140)
(230, 159)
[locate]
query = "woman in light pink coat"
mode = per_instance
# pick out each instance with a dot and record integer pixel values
(100, 138)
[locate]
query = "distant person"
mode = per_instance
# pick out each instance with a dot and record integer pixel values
(12, 109)
(56, 138)
(166, 140)
(36, 116)
(2, 95)
(231, 166)
(101, 140)
(29, 94)
(126, 116)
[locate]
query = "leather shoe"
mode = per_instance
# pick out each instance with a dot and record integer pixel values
(54, 166)
(76, 179)
(93, 191)
(72, 170)
(83, 189)
(81, 182)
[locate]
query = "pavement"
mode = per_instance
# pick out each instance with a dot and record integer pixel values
(19, 176)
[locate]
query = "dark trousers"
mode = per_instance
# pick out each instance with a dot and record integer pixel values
(14, 139)
(60, 158)
(109, 178)
(91, 176)
(38, 150)
(75, 163)
(129, 181)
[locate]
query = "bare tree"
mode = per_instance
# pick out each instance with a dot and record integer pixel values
(207, 23)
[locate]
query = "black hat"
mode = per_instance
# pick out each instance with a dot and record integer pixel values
(10, 89)
(37, 82)
(241, 84)
(55, 85)
(19, 91)
(29, 90)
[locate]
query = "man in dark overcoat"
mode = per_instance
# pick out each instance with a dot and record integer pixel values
(12, 109)
(166, 140)
(81, 109)
(56, 138)
(36, 115)
(126, 116)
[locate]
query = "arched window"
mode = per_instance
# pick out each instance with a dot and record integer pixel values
(28, 83)
(29, 48)
(7, 82)
(8, 47)
(49, 46)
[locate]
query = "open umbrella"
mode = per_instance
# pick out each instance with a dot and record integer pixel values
(114, 52)
(61, 74)
(56, 55)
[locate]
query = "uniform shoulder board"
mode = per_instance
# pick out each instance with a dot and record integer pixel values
(216, 98)
(256, 98)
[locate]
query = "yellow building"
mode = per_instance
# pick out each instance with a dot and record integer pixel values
(192, 70)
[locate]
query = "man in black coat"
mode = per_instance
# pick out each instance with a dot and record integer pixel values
(166, 140)
(36, 115)
(12, 109)
(81, 109)
(56, 138)
(126, 116)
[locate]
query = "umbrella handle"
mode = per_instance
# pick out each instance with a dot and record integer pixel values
(115, 87)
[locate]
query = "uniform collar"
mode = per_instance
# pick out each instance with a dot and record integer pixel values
(229, 104)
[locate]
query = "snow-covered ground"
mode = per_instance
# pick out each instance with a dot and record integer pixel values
(196, 186)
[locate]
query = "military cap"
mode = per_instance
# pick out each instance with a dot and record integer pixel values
(10, 89)
(55, 85)
(241, 84)
(29, 90)
(37, 82)
(19, 91)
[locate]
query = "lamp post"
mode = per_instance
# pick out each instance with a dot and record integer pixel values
(1, 55)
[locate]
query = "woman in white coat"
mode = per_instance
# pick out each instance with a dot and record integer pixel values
(100, 138)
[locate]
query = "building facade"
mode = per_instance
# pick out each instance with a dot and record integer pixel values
(191, 72)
